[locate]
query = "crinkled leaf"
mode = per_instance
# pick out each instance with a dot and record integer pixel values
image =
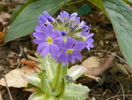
(120, 15)
(39, 95)
(72, 92)
(76, 71)
(75, 92)
(33, 79)
(26, 20)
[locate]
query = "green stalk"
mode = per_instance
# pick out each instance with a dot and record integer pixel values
(49, 69)
(58, 83)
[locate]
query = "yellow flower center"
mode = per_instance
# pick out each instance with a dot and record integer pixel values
(69, 51)
(49, 40)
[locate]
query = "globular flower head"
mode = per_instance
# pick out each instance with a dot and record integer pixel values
(63, 37)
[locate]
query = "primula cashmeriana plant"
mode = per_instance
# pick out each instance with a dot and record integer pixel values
(60, 41)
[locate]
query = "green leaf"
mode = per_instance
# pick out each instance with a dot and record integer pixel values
(34, 80)
(39, 95)
(76, 71)
(72, 92)
(27, 17)
(120, 15)
(46, 85)
(18, 10)
(75, 92)
(98, 3)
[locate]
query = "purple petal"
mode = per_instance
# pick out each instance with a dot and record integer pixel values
(46, 14)
(90, 35)
(54, 50)
(88, 48)
(89, 43)
(39, 35)
(84, 26)
(70, 42)
(40, 28)
(64, 14)
(38, 41)
(63, 58)
(73, 15)
(80, 45)
(90, 40)
(41, 46)
(49, 30)
(45, 50)
(71, 59)
(56, 34)
(78, 20)
(42, 19)
(77, 55)
(48, 17)
(58, 40)
(63, 46)
(85, 33)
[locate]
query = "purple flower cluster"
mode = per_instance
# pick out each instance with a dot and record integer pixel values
(63, 38)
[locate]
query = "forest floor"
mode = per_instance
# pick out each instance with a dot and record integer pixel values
(116, 81)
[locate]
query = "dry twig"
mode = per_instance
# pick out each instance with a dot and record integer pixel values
(8, 89)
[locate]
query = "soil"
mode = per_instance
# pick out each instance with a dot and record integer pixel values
(115, 83)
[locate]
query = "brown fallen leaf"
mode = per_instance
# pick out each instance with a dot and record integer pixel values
(15, 77)
(94, 68)
(32, 64)
(29, 63)
(91, 62)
